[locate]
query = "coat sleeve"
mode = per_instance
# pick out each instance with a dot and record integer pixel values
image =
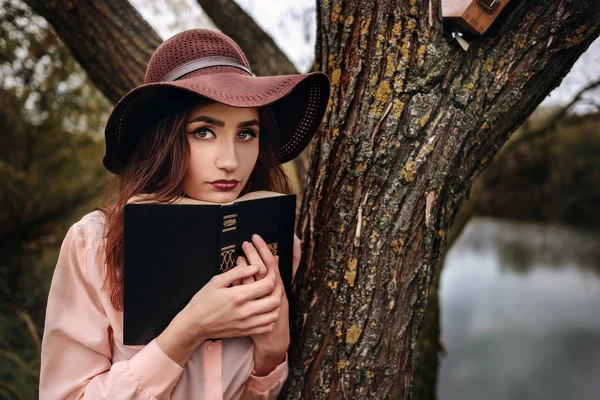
(266, 387)
(76, 348)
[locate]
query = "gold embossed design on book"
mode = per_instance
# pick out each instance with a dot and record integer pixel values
(229, 222)
(227, 258)
(273, 247)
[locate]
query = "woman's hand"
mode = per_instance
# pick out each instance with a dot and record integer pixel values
(235, 311)
(269, 347)
(296, 254)
(220, 311)
(258, 309)
(259, 253)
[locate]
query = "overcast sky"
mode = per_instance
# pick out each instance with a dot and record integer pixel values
(291, 23)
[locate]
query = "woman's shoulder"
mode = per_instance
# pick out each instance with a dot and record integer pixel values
(93, 220)
(86, 238)
(90, 228)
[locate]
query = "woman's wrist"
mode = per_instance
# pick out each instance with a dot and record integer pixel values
(177, 342)
(266, 360)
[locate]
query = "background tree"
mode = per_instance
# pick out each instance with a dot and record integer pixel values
(50, 120)
(411, 121)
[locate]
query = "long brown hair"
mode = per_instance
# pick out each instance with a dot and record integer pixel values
(157, 166)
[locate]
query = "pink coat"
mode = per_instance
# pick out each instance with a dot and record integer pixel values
(83, 355)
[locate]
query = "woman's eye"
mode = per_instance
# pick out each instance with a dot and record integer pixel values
(247, 135)
(203, 133)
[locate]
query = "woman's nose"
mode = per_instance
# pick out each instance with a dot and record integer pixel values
(227, 157)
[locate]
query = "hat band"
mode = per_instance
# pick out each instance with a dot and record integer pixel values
(205, 62)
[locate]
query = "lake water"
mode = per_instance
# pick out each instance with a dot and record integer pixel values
(520, 310)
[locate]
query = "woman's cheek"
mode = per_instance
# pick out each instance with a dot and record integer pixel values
(197, 168)
(250, 158)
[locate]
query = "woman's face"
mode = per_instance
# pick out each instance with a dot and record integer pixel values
(223, 147)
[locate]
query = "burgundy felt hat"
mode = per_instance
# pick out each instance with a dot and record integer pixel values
(201, 62)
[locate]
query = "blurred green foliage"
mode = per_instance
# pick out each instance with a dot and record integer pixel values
(544, 174)
(51, 122)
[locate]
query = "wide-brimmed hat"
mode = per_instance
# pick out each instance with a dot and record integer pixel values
(201, 62)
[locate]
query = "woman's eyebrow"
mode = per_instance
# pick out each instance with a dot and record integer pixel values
(248, 123)
(216, 122)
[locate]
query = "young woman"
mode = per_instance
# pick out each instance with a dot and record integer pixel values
(204, 127)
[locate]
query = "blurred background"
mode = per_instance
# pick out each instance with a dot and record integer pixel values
(518, 306)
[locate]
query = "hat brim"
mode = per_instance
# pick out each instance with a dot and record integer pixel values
(299, 102)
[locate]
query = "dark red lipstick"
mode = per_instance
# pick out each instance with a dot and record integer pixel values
(224, 184)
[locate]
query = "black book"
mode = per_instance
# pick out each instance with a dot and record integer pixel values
(172, 250)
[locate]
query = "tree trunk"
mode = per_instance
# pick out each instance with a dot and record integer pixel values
(412, 119)
(109, 38)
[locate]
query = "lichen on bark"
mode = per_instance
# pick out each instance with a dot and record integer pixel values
(412, 119)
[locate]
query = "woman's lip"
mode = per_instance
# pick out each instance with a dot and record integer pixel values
(224, 186)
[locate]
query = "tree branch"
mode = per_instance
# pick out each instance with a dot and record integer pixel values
(265, 57)
(551, 125)
(109, 38)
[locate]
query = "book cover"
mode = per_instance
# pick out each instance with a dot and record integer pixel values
(173, 250)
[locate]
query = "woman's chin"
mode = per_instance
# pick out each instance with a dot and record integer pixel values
(216, 196)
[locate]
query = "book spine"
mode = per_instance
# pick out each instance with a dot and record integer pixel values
(227, 237)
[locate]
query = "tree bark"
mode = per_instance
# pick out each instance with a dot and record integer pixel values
(412, 119)
(109, 38)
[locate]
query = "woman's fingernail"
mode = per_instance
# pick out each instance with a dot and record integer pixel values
(245, 244)
(255, 237)
(240, 259)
